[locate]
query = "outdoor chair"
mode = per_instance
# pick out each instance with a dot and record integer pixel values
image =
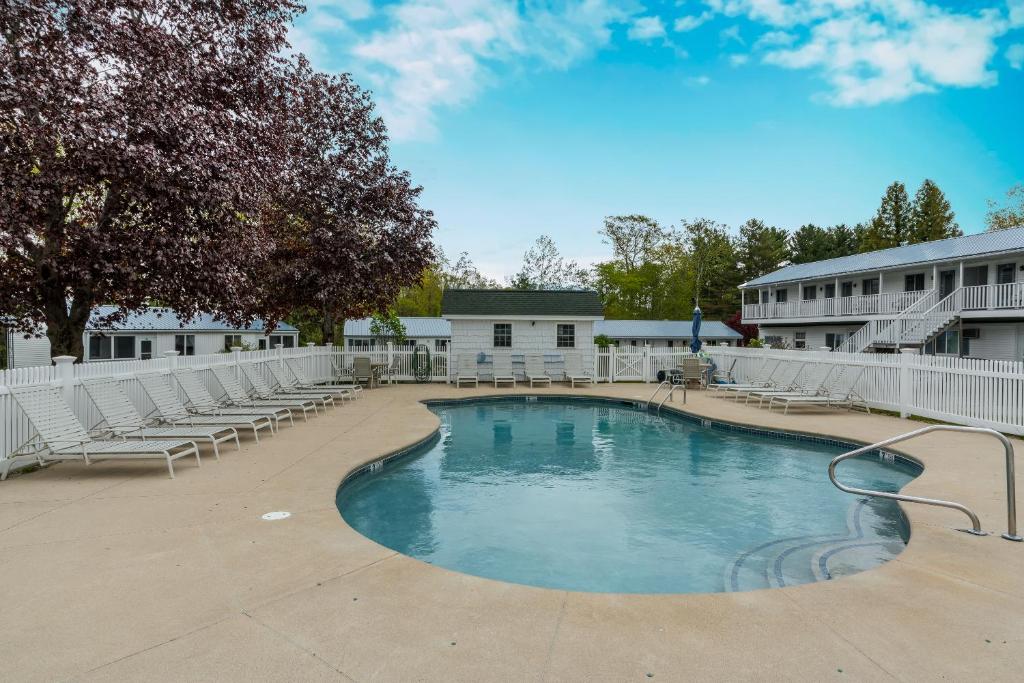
(286, 383)
(692, 371)
(225, 376)
(173, 411)
(501, 369)
(763, 378)
(535, 371)
(467, 370)
(363, 372)
(262, 391)
(124, 421)
(574, 372)
(721, 376)
(65, 438)
(813, 382)
(845, 397)
(305, 382)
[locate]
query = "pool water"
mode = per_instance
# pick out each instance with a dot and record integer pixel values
(597, 496)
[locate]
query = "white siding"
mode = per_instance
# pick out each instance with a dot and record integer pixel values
(475, 336)
(815, 336)
(997, 341)
(27, 353)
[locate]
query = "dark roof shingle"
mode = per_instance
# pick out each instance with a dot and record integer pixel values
(512, 302)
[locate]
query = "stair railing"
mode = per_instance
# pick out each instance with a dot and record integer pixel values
(1011, 495)
(895, 332)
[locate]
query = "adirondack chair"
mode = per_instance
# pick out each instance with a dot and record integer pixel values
(173, 411)
(535, 371)
(286, 382)
(467, 370)
(225, 376)
(574, 372)
(262, 390)
(124, 421)
(66, 439)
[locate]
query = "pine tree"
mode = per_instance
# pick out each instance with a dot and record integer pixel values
(891, 226)
(762, 249)
(810, 243)
(931, 217)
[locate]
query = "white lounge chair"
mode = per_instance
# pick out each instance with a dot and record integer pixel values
(846, 397)
(784, 377)
(467, 370)
(304, 381)
(262, 391)
(574, 372)
(173, 411)
(763, 378)
(535, 371)
(810, 383)
(65, 438)
(236, 394)
(501, 368)
(286, 383)
(124, 421)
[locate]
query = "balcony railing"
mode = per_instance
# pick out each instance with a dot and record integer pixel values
(993, 297)
(889, 303)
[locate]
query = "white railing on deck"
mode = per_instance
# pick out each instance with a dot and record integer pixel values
(970, 391)
(888, 303)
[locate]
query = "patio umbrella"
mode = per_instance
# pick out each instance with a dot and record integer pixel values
(695, 332)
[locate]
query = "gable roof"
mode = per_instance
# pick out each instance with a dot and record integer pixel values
(968, 246)
(156, 318)
(414, 327)
(663, 329)
(497, 303)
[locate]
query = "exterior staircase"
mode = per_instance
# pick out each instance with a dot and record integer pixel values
(912, 328)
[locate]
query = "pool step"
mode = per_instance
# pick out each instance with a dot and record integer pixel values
(806, 559)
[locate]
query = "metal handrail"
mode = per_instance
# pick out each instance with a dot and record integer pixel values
(672, 386)
(1011, 496)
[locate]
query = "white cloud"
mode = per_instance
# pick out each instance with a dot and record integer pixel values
(646, 28)
(699, 81)
(1016, 13)
(436, 53)
(1015, 55)
(874, 51)
(692, 21)
(738, 59)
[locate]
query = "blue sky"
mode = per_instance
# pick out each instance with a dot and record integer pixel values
(542, 117)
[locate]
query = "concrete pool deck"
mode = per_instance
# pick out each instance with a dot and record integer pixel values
(116, 572)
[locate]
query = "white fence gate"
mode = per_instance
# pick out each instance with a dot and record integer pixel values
(635, 363)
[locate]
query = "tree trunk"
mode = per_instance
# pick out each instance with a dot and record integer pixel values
(65, 326)
(327, 327)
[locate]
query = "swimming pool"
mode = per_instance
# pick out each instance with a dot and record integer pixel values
(603, 496)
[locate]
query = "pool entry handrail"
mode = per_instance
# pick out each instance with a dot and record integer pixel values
(672, 386)
(1011, 496)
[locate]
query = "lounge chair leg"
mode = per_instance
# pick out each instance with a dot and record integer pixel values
(238, 444)
(170, 466)
(216, 448)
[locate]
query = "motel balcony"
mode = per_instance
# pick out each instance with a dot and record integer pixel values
(1004, 300)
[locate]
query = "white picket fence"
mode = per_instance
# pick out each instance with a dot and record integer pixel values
(969, 391)
(635, 363)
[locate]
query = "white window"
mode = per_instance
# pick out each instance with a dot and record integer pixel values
(232, 340)
(800, 340)
(359, 344)
(285, 340)
(440, 345)
(502, 335)
(565, 336)
(120, 347)
(185, 344)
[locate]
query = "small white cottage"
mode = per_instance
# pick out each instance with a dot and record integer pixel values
(548, 322)
(434, 333)
(149, 334)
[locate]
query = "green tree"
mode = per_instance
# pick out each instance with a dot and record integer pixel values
(1009, 216)
(634, 238)
(891, 226)
(632, 282)
(810, 243)
(844, 240)
(931, 216)
(545, 268)
(713, 266)
(761, 249)
(386, 326)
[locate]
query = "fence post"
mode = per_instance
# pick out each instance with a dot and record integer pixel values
(280, 355)
(391, 354)
(172, 360)
(66, 375)
(645, 366)
(611, 363)
(906, 382)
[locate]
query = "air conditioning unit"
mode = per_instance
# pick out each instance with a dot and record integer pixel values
(972, 333)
